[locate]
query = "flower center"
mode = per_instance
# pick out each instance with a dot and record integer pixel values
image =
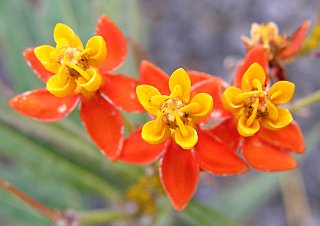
(173, 117)
(256, 106)
(73, 61)
(268, 36)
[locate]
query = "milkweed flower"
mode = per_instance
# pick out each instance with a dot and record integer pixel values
(252, 104)
(175, 114)
(72, 73)
(175, 134)
(279, 47)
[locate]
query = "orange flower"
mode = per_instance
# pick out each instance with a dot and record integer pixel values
(74, 73)
(184, 148)
(279, 47)
(265, 148)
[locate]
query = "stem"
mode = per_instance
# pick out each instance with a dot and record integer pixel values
(305, 101)
(101, 216)
(127, 124)
(295, 199)
(44, 210)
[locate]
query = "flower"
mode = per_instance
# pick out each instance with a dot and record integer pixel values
(175, 114)
(266, 148)
(278, 46)
(253, 105)
(176, 135)
(74, 73)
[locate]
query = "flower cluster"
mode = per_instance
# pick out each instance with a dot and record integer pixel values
(199, 123)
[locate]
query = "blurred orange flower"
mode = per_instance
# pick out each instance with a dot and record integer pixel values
(279, 47)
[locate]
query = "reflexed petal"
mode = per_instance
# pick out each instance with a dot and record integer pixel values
(296, 41)
(137, 151)
(36, 65)
(44, 55)
(154, 133)
(186, 142)
(196, 76)
(227, 99)
(116, 44)
(289, 138)
(281, 92)
(103, 123)
(179, 174)
(259, 55)
(154, 76)
(121, 91)
(65, 33)
(93, 83)
(262, 156)
(59, 89)
(227, 132)
(180, 78)
(246, 130)
(98, 50)
(144, 94)
(200, 107)
(284, 119)
(254, 72)
(42, 105)
(216, 157)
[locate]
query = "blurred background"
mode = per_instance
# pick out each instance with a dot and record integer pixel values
(55, 162)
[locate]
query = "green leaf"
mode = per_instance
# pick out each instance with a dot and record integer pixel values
(201, 214)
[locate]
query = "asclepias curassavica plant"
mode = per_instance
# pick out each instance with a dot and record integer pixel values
(198, 124)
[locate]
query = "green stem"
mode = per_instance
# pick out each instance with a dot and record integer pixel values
(305, 101)
(127, 124)
(102, 216)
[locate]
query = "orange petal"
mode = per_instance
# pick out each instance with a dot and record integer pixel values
(137, 151)
(116, 44)
(41, 105)
(36, 66)
(226, 131)
(179, 174)
(103, 123)
(295, 41)
(216, 157)
(154, 76)
(264, 157)
(289, 138)
(196, 76)
(214, 87)
(121, 91)
(256, 55)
